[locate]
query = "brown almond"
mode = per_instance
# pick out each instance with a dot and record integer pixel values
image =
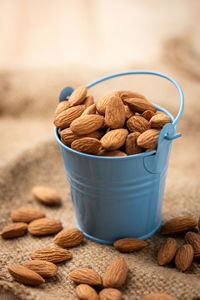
(137, 124)
(128, 112)
(89, 100)
(66, 117)
(67, 136)
(14, 230)
(53, 255)
(115, 114)
(114, 153)
(148, 139)
(129, 94)
(78, 96)
(110, 294)
(46, 195)
(85, 275)
(159, 120)
(114, 139)
(44, 226)
(179, 225)
(90, 110)
(103, 101)
(158, 296)
(167, 251)
(61, 107)
(24, 275)
(87, 124)
(42, 267)
(86, 292)
(129, 244)
(131, 144)
(139, 104)
(26, 214)
(184, 257)
(87, 145)
(69, 237)
(116, 273)
(193, 239)
(148, 114)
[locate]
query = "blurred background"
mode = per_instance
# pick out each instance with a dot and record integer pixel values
(46, 45)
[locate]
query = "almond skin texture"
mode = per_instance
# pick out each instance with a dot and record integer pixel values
(87, 124)
(85, 275)
(89, 100)
(78, 96)
(148, 114)
(129, 244)
(193, 239)
(53, 255)
(14, 230)
(167, 251)
(103, 101)
(110, 294)
(115, 114)
(128, 112)
(42, 267)
(184, 257)
(159, 120)
(87, 145)
(116, 273)
(179, 225)
(148, 139)
(67, 136)
(61, 107)
(129, 94)
(139, 105)
(66, 117)
(46, 195)
(44, 226)
(90, 110)
(131, 144)
(137, 124)
(86, 292)
(158, 297)
(24, 275)
(69, 237)
(26, 214)
(114, 139)
(114, 153)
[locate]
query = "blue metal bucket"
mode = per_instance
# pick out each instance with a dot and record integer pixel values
(117, 197)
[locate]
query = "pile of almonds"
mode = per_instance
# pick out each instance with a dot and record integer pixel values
(120, 123)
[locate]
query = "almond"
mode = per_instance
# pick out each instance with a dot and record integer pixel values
(139, 104)
(116, 273)
(87, 145)
(148, 139)
(61, 107)
(67, 136)
(24, 275)
(69, 237)
(114, 153)
(129, 244)
(85, 275)
(66, 117)
(44, 226)
(87, 124)
(137, 123)
(114, 139)
(14, 230)
(53, 255)
(184, 257)
(103, 101)
(89, 100)
(128, 112)
(26, 214)
(90, 110)
(110, 294)
(46, 195)
(42, 267)
(159, 120)
(86, 292)
(78, 96)
(129, 94)
(131, 144)
(159, 296)
(179, 225)
(148, 114)
(167, 251)
(193, 239)
(115, 114)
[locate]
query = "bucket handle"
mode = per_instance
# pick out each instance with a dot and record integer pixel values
(149, 72)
